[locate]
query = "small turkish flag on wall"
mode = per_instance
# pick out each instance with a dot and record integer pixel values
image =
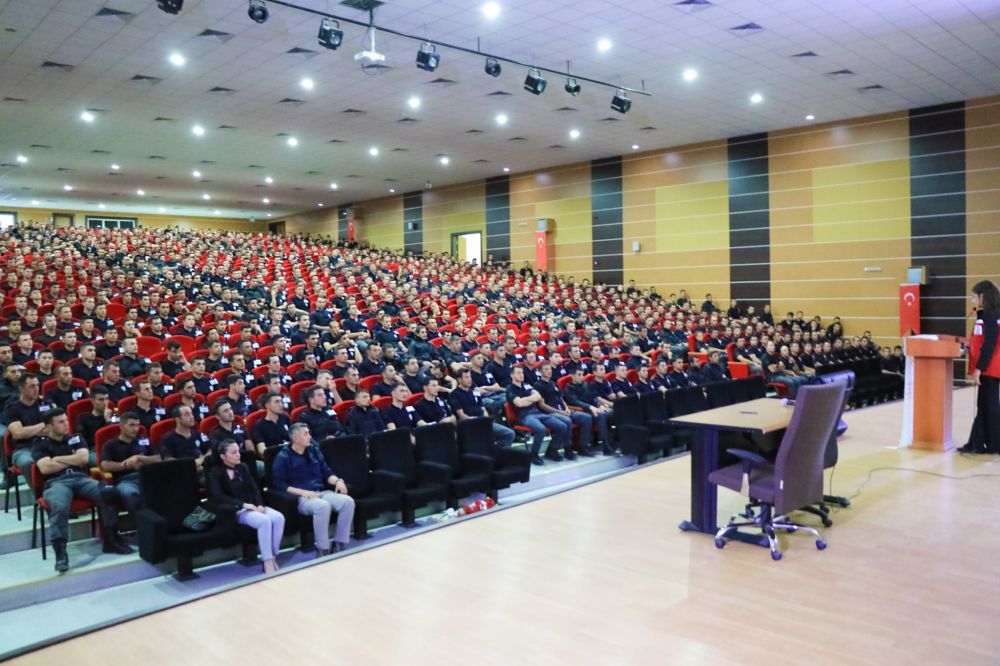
(541, 251)
(909, 309)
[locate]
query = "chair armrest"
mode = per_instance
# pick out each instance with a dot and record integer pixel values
(477, 464)
(385, 481)
(432, 472)
(749, 458)
(225, 512)
(632, 439)
(152, 536)
(286, 503)
(510, 457)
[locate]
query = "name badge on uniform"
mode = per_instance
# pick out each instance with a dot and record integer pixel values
(476, 392)
(128, 384)
(144, 442)
(160, 411)
(74, 440)
(203, 409)
(528, 386)
(213, 382)
(100, 368)
(43, 408)
(238, 432)
(204, 437)
(330, 412)
(168, 387)
(76, 395)
(223, 361)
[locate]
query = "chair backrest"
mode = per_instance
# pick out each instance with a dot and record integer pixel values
(476, 436)
(170, 489)
(741, 390)
(296, 389)
(654, 406)
(391, 450)
(436, 443)
(628, 411)
(719, 394)
(798, 467)
(346, 456)
(342, 408)
(758, 389)
(159, 430)
(76, 409)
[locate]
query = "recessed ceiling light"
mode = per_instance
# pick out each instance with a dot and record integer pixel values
(162, 209)
(307, 83)
(413, 102)
(501, 119)
(141, 193)
(810, 117)
(68, 188)
(603, 44)
(115, 167)
(22, 159)
(206, 197)
(198, 130)
(292, 141)
(444, 160)
(333, 186)
(756, 98)
(101, 206)
(268, 180)
(34, 202)
(177, 59)
(690, 74)
(574, 134)
(320, 204)
(265, 200)
(196, 174)
(269, 215)
(373, 151)
(491, 10)
(87, 117)
(218, 212)
(635, 146)
(392, 190)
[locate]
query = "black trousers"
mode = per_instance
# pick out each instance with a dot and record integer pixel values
(986, 426)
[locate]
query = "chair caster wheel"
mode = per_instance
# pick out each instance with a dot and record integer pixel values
(775, 555)
(820, 544)
(720, 542)
(827, 522)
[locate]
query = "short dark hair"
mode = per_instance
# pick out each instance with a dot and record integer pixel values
(130, 416)
(25, 378)
(51, 415)
(232, 378)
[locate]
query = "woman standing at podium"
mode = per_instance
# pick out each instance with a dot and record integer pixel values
(984, 359)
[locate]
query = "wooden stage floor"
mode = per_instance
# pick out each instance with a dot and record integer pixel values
(601, 575)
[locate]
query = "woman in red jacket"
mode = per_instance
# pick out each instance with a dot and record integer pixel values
(984, 360)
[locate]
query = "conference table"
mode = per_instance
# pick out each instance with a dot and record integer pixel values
(761, 416)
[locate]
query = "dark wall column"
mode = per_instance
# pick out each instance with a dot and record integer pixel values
(342, 222)
(606, 207)
(937, 214)
(498, 218)
(413, 222)
(749, 220)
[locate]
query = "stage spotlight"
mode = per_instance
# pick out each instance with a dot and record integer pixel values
(258, 11)
(427, 57)
(170, 6)
(330, 34)
(621, 103)
(572, 87)
(534, 83)
(493, 67)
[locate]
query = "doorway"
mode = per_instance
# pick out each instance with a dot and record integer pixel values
(63, 219)
(467, 246)
(277, 228)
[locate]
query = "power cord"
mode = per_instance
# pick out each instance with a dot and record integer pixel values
(908, 469)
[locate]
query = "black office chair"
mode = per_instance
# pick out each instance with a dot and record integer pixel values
(170, 492)
(423, 482)
(795, 479)
(470, 472)
(510, 466)
(635, 437)
(374, 492)
(830, 458)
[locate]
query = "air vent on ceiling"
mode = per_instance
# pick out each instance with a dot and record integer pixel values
(227, 127)
(566, 108)
(14, 99)
(353, 175)
(610, 119)
(399, 150)
(207, 162)
(10, 165)
(63, 169)
(805, 54)
(517, 138)
(218, 34)
(353, 112)
(363, 5)
(254, 166)
(872, 88)
(390, 180)
(692, 6)
(161, 119)
(143, 78)
(305, 53)
(647, 128)
(557, 146)
(113, 173)
(474, 131)
(221, 90)
(480, 161)
(296, 189)
(840, 74)
(441, 81)
(746, 29)
(100, 152)
(407, 119)
(336, 141)
(156, 157)
(313, 173)
(40, 145)
(49, 64)
(108, 12)
(498, 93)
(291, 101)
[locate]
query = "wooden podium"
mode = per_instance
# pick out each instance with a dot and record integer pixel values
(929, 374)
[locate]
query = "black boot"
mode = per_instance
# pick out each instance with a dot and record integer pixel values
(114, 543)
(62, 559)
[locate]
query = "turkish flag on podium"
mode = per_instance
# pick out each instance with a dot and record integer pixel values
(909, 309)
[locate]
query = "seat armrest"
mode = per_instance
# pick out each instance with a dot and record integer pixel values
(749, 458)
(477, 464)
(225, 513)
(385, 481)
(152, 536)
(507, 456)
(432, 472)
(286, 503)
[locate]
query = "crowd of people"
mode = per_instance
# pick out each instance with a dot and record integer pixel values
(310, 339)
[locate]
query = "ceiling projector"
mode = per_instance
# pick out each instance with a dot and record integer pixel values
(369, 56)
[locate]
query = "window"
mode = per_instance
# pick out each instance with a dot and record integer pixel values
(112, 222)
(7, 220)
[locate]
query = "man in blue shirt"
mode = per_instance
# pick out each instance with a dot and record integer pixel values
(300, 469)
(525, 401)
(467, 403)
(552, 403)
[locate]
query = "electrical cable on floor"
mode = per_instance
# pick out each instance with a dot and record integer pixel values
(908, 469)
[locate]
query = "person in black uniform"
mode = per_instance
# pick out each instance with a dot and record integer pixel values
(321, 419)
(432, 408)
(363, 419)
(185, 441)
(64, 392)
(123, 457)
(62, 460)
(272, 430)
(399, 414)
(984, 359)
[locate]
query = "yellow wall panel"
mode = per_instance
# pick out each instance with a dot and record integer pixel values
(982, 187)
(381, 222)
(861, 202)
(453, 210)
(33, 216)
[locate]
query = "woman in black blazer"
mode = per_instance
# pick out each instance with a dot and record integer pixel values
(230, 482)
